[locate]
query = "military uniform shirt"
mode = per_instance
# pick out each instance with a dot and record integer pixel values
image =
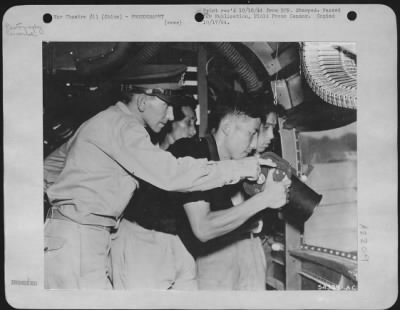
(106, 155)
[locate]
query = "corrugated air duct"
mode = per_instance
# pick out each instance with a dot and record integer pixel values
(240, 65)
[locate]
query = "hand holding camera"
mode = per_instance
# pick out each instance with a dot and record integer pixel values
(276, 193)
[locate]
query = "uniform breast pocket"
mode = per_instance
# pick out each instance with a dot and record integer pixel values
(53, 244)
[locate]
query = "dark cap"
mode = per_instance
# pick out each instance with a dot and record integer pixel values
(162, 81)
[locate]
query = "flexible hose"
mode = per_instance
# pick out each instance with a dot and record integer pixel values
(240, 65)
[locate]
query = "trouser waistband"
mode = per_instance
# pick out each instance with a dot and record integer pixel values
(55, 214)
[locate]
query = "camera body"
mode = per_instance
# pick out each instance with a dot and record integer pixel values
(302, 198)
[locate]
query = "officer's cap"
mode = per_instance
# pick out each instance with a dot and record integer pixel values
(162, 81)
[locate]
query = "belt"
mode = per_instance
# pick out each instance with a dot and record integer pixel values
(158, 226)
(250, 235)
(199, 248)
(55, 214)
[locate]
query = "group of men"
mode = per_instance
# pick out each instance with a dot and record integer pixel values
(131, 213)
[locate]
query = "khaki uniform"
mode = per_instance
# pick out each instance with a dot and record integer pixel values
(239, 266)
(102, 160)
(149, 259)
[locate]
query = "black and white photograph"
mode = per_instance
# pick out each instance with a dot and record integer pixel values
(127, 209)
(200, 156)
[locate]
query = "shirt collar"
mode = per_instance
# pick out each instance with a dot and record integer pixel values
(123, 107)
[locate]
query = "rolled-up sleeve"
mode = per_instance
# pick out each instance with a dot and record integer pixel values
(133, 150)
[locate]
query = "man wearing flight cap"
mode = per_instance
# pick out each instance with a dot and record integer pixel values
(99, 175)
